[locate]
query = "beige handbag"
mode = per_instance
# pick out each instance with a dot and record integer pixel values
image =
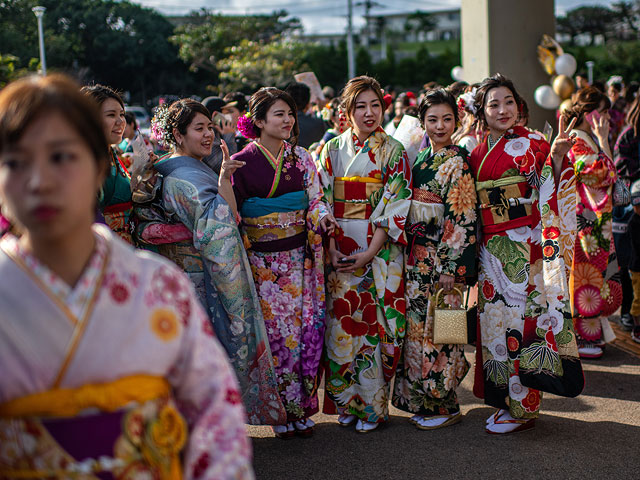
(449, 324)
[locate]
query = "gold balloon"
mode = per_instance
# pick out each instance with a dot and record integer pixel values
(565, 105)
(563, 86)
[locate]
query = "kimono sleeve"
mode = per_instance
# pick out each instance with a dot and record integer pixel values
(536, 156)
(318, 208)
(325, 171)
(392, 209)
(457, 247)
(207, 394)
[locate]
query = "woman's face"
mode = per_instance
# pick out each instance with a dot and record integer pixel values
(367, 113)
(49, 180)
(196, 142)
(113, 120)
(279, 121)
(500, 110)
(439, 123)
(129, 130)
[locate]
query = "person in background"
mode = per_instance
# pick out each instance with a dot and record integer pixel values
(402, 102)
(626, 156)
(597, 292)
(311, 128)
(634, 263)
(618, 108)
(115, 194)
(582, 81)
(457, 88)
(110, 369)
(329, 93)
(224, 130)
(235, 106)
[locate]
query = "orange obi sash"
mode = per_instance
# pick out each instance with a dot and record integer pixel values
(504, 204)
(136, 430)
(275, 226)
(354, 197)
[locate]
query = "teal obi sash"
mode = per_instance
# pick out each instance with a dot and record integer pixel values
(289, 202)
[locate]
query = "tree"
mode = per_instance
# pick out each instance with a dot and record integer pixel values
(251, 65)
(206, 38)
(418, 22)
(628, 16)
(591, 20)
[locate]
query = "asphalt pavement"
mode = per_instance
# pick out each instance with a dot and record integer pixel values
(593, 436)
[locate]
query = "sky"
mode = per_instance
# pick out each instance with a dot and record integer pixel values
(324, 16)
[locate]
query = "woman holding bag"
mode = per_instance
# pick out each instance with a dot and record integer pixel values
(441, 229)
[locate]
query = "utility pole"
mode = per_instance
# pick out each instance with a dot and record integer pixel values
(350, 54)
(368, 5)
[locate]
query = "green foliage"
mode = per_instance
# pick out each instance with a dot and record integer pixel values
(616, 58)
(251, 65)
(9, 70)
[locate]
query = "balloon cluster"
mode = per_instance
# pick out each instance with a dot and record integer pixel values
(561, 66)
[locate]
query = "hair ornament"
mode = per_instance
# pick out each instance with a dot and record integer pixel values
(246, 126)
(161, 131)
(467, 100)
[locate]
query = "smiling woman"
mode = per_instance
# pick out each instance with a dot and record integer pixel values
(94, 335)
(115, 194)
(197, 230)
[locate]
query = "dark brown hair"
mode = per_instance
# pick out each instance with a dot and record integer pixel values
(261, 102)
(25, 100)
(633, 117)
(355, 87)
(586, 100)
(437, 96)
(101, 93)
(488, 84)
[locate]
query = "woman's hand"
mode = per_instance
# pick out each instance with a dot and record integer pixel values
(446, 282)
(224, 129)
(335, 255)
(600, 127)
(356, 261)
(229, 166)
(328, 224)
(564, 140)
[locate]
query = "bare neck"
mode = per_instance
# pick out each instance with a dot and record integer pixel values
(272, 144)
(65, 257)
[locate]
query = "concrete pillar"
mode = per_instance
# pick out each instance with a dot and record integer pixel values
(502, 36)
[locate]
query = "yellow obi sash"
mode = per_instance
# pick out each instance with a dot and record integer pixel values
(354, 197)
(504, 204)
(137, 429)
(274, 226)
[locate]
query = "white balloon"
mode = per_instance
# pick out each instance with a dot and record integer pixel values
(457, 73)
(546, 97)
(566, 64)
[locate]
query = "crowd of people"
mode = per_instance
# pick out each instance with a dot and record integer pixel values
(216, 272)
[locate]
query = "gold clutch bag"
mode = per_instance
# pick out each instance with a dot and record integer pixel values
(449, 324)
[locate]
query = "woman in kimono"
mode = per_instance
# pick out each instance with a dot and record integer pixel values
(115, 195)
(208, 247)
(595, 281)
(527, 335)
(441, 230)
(110, 369)
(280, 201)
(366, 179)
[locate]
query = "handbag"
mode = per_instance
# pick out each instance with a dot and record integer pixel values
(621, 194)
(449, 324)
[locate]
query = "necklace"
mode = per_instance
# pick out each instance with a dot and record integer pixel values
(491, 142)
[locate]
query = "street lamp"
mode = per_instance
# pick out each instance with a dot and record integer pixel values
(39, 13)
(590, 65)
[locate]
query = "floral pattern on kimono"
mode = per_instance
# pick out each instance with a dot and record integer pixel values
(131, 315)
(115, 198)
(289, 281)
(527, 337)
(366, 309)
(217, 263)
(595, 278)
(441, 228)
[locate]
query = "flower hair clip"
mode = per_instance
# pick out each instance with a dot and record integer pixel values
(160, 130)
(246, 126)
(467, 100)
